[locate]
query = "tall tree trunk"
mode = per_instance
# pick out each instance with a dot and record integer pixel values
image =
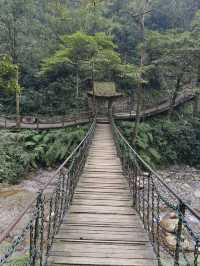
(13, 45)
(77, 83)
(18, 118)
(93, 90)
(139, 92)
(174, 96)
(196, 103)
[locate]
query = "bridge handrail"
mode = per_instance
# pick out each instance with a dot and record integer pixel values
(63, 176)
(44, 119)
(154, 172)
(150, 196)
(128, 112)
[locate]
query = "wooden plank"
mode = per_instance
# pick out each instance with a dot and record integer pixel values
(98, 217)
(100, 228)
(95, 252)
(59, 260)
(103, 202)
(105, 190)
(105, 196)
(97, 181)
(109, 237)
(102, 185)
(102, 176)
(92, 247)
(102, 210)
(109, 226)
(115, 194)
(101, 170)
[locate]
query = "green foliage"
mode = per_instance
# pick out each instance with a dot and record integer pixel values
(164, 142)
(144, 143)
(19, 261)
(20, 151)
(60, 35)
(196, 25)
(178, 141)
(172, 14)
(79, 51)
(8, 75)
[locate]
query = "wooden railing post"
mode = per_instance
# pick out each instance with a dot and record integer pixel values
(37, 121)
(63, 121)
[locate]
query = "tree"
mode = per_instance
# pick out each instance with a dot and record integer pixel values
(9, 81)
(195, 36)
(139, 93)
(79, 50)
(174, 55)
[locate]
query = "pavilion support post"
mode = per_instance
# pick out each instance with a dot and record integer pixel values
(93, 91)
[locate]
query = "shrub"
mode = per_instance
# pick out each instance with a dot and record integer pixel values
(163, 142)
(20, 151)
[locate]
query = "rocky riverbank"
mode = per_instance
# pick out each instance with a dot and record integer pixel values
(13, 199)
(185, 181)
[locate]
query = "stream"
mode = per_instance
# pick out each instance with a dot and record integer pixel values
(14, 198)
(184, 180)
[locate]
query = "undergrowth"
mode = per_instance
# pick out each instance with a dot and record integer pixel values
(162, 142)
(21, 151)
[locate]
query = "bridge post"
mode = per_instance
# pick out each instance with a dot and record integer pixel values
(196, 105)
(63, 121)
(181, 210)
(36, 233)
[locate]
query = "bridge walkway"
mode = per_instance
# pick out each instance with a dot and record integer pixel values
(102, 228)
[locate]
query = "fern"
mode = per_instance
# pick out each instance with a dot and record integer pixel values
(29, 144)
(37, 138)
(154, 154)
(20, 151)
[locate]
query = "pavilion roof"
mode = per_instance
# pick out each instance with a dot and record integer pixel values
(105, 89)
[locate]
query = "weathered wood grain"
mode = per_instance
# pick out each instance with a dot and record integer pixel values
(102, 228)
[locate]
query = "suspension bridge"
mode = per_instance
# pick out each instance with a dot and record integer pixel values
(106, 209)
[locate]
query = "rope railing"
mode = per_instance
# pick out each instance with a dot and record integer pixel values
(47, 210)
(173, 226)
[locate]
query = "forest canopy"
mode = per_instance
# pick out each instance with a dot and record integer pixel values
(57, 44)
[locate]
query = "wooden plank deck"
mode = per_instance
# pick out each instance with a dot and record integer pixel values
(42, 126)
(102, 228)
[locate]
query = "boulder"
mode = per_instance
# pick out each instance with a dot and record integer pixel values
(186, 186)
(197, 193)
(170, 242)
(169, 222)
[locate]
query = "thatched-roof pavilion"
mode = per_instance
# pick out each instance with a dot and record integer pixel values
(105, 95)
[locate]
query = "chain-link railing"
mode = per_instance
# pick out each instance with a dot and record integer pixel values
(37, 236)
(173, 227)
